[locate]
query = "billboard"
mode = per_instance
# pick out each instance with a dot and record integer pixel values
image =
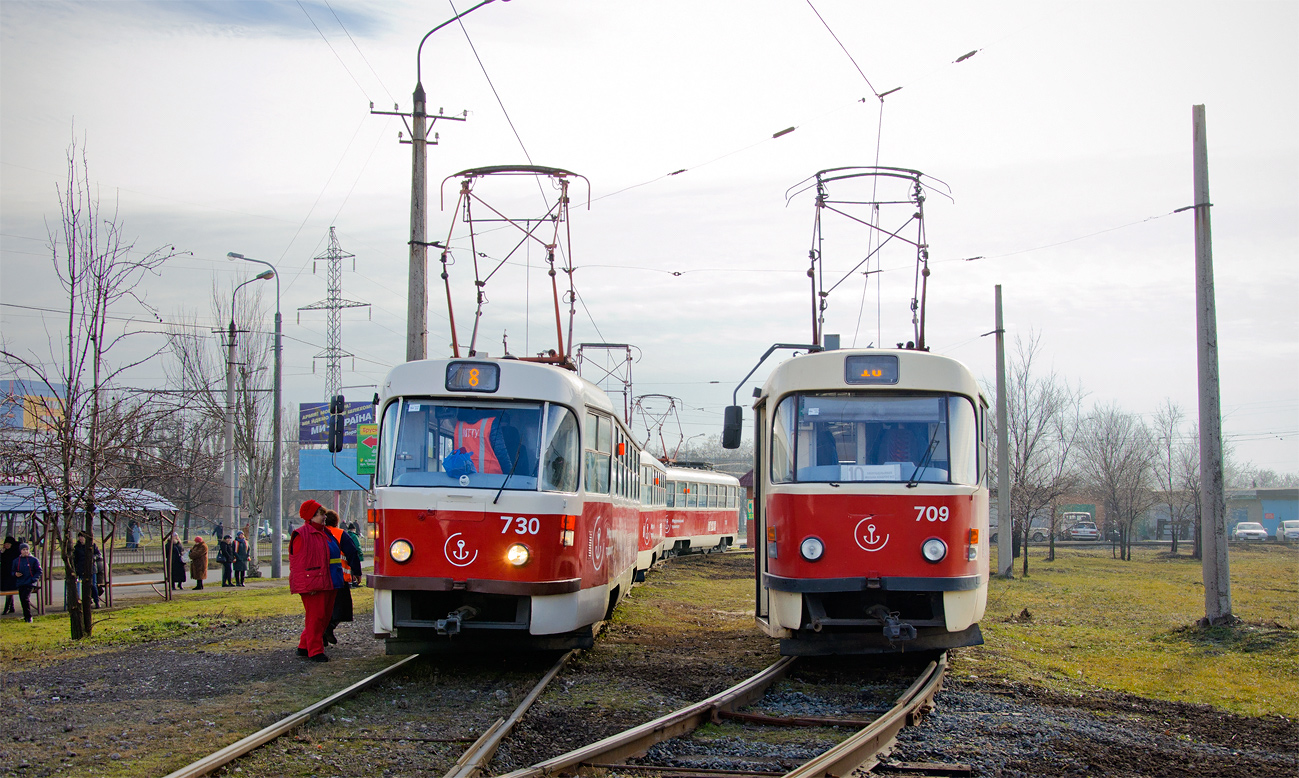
(313, 422)
(316, 471)
(29, 405)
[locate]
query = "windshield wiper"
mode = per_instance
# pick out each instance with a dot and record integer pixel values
(513, 464)
(924, 461)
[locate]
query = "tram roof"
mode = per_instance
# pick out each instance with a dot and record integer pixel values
(519, 380)
(825, 371)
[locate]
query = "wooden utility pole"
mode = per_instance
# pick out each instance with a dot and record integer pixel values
(1005, 527)
(1213, 499)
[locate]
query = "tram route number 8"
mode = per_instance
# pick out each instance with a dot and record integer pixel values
(522, 525)
(932, 512)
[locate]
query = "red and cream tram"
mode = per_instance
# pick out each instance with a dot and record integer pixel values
(507, 507)
(653, 513)
(871, 503)
(703, 510)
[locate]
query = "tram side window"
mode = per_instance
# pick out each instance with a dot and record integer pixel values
(712, 495)
(671, 494)
(560, 462)
(599, 450)
(692, 495)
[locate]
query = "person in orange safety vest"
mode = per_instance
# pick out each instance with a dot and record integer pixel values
(483, 440)
(351, 572)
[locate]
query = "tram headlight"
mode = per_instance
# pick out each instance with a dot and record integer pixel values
(811, 548)
(401, 550)
(934, 550)
(518, 554)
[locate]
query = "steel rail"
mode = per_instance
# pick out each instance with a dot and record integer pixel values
(865, 749)
(241, 747)
(473, 760)
(638, 740)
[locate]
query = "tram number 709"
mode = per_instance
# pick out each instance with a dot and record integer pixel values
(932, 512)
(522, 525)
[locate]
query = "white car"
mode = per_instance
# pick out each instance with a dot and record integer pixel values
(1249, 530)
(1287, 530)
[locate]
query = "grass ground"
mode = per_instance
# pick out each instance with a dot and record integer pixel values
(1087, 621)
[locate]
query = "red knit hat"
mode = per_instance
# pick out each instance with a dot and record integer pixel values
(309, 509)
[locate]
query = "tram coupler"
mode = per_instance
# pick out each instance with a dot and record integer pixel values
(894, 628)
(451, 624)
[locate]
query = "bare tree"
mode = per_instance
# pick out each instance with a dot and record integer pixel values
(1117, 456)
(73, 456)
(199, 363)
(1169, 467)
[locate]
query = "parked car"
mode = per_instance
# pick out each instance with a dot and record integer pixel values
(1083, 530)
(1287, 530)
(1249, 530)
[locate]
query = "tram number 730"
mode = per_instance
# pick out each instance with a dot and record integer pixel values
(525, 526)
(932, 512)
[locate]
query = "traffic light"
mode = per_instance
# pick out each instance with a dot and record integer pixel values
(336, 408)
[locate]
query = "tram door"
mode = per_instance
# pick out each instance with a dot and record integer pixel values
(757, 533)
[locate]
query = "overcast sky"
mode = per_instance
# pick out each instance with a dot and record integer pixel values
(1065, 140)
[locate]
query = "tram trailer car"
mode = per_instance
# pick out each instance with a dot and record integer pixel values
(653, 513)
(871, 511)
(507, 507)
(703, 510)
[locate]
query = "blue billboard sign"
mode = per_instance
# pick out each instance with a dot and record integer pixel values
(313, 422)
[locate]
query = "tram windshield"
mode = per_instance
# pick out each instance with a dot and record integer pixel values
(426, 442)
(839, 436)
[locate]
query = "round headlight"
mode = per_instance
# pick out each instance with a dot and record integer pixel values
(811, 548)
(517, 554)
(934, 550)
(401, 550)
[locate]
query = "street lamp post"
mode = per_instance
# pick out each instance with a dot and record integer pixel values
(277, 474)
(417, 286)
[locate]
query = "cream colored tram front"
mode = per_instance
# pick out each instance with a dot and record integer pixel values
(871, 509)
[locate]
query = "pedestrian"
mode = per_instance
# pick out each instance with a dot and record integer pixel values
(360, 552)
(351, 571)
(226, 556)
(27, 573)
(132, 541)
(315, 573)
(198, 562)
(241, 558)
(219, 531)
(101, 574)
(7, 584)
(83, 564)
(177, 561)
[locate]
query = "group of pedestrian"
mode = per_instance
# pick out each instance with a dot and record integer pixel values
(324, 565)
(88, 565)
(232, 554)
(21, 572)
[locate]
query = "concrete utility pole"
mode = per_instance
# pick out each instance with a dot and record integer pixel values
(1213, 500)
(417, 283)
(1005, 526)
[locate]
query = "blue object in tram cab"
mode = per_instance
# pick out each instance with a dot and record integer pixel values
(458, 463)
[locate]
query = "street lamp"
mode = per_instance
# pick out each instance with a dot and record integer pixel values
(417, 289)
(277, 475)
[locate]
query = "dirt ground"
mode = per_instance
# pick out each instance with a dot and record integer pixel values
(155, 707)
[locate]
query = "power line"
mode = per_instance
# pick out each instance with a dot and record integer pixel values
(331, 48)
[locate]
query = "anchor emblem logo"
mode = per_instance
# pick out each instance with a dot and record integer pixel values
(867, 538)
(598, 544)
(457, 554)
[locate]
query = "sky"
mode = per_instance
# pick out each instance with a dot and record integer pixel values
(1065, 143)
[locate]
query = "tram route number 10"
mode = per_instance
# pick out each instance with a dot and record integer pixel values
(932, 512)
(526, 526)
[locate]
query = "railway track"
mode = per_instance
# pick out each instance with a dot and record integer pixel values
(468, 765)
(861, 751)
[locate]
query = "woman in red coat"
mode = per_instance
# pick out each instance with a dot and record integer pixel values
(315, 572)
